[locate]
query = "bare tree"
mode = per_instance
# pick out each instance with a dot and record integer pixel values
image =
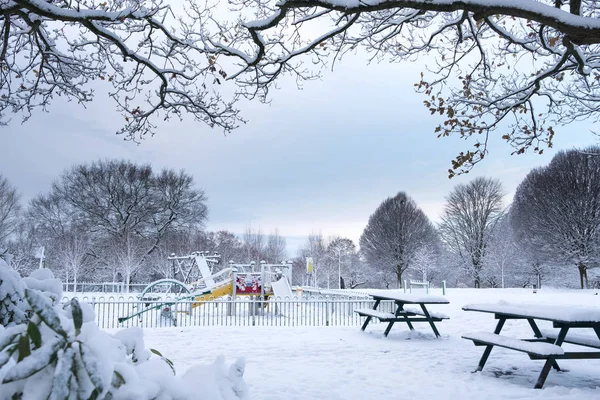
(275, 250)
(22, 247)
(556, 210)
(9, 209)
(61, 230)
(315, 248)
(425, 263)
(229, 246)
(522, 66)
(149, 55)
(503, 256)
(467, 222)
(394, 233)
(253, 243)
(123, 209)
(341, 255)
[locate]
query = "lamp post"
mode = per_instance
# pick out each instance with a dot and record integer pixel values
(339, 271)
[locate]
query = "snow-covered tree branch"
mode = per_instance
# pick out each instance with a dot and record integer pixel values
(150, 55)
(519, 68)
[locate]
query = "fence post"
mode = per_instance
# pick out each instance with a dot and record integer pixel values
(405, 285)
(327, 306)
(444, 288)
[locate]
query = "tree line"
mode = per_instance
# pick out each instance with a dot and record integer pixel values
(550, 232)
(115, 221)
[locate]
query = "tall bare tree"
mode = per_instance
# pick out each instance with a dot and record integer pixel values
(125, 209)
(342, 256)
(556, 210)
(315, 248)
(10, 208)
(61, 229)
(275, 250)
(504, 258)
(425, 264)
(253, 243)
(516, 67)
(468, 219)
(393, 235)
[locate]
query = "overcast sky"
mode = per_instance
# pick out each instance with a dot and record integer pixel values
(320, 159)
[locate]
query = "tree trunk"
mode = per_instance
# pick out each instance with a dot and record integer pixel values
(399, 275)
(127, 281)
(582, 275)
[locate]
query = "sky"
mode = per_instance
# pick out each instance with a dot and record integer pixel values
(319, 159)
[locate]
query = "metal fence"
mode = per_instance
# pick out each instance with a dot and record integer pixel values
(103, 287)
(313, 311)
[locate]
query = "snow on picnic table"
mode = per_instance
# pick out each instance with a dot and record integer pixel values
(408, 297)
(345, 363)
(553, 312)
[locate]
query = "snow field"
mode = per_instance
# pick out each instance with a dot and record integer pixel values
(345, 363)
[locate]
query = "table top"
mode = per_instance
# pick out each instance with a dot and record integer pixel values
(549, 312)
(407, 298)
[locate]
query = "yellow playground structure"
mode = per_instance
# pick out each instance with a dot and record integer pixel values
(195, 283)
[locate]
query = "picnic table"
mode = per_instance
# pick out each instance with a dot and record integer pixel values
(546, 344)
(401, 314)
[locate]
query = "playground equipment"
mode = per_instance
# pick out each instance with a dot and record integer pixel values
(198, 284)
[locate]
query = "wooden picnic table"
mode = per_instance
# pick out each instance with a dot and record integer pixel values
(546, 344)
(401, 314)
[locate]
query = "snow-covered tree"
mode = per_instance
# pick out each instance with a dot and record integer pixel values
(556, 210)
(315, 248)
(394, 234)
(148, 55)
(425, 263)
(275, 250)
(116, 212)
(520, 67)
(23, 248)
(342, 262)
(470, 213)
(253, 243)
(10, 208)
(503, 258)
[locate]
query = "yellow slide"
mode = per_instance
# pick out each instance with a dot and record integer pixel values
(218, 291)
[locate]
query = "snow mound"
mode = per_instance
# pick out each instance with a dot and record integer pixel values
(217, 381)
(43, 280)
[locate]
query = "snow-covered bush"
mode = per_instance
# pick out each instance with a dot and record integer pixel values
(49, 351)
(12, 296)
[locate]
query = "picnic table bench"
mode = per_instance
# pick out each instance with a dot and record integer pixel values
(401, 314)
(546, 344)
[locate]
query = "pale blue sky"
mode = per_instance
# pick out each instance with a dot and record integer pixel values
(320, 159)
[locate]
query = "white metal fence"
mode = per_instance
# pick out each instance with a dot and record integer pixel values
(103, 287)
(118, 312)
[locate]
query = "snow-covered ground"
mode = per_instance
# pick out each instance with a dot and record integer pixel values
(345, 363)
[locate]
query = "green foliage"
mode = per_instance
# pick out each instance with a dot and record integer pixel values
(43, 308)
(169, 362)
(74, 365)
(64, 352)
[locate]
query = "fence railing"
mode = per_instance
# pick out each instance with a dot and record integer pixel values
(118, 312)
(103, 287)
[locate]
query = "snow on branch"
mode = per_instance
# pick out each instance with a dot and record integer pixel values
(66, 48)
(517, 67)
